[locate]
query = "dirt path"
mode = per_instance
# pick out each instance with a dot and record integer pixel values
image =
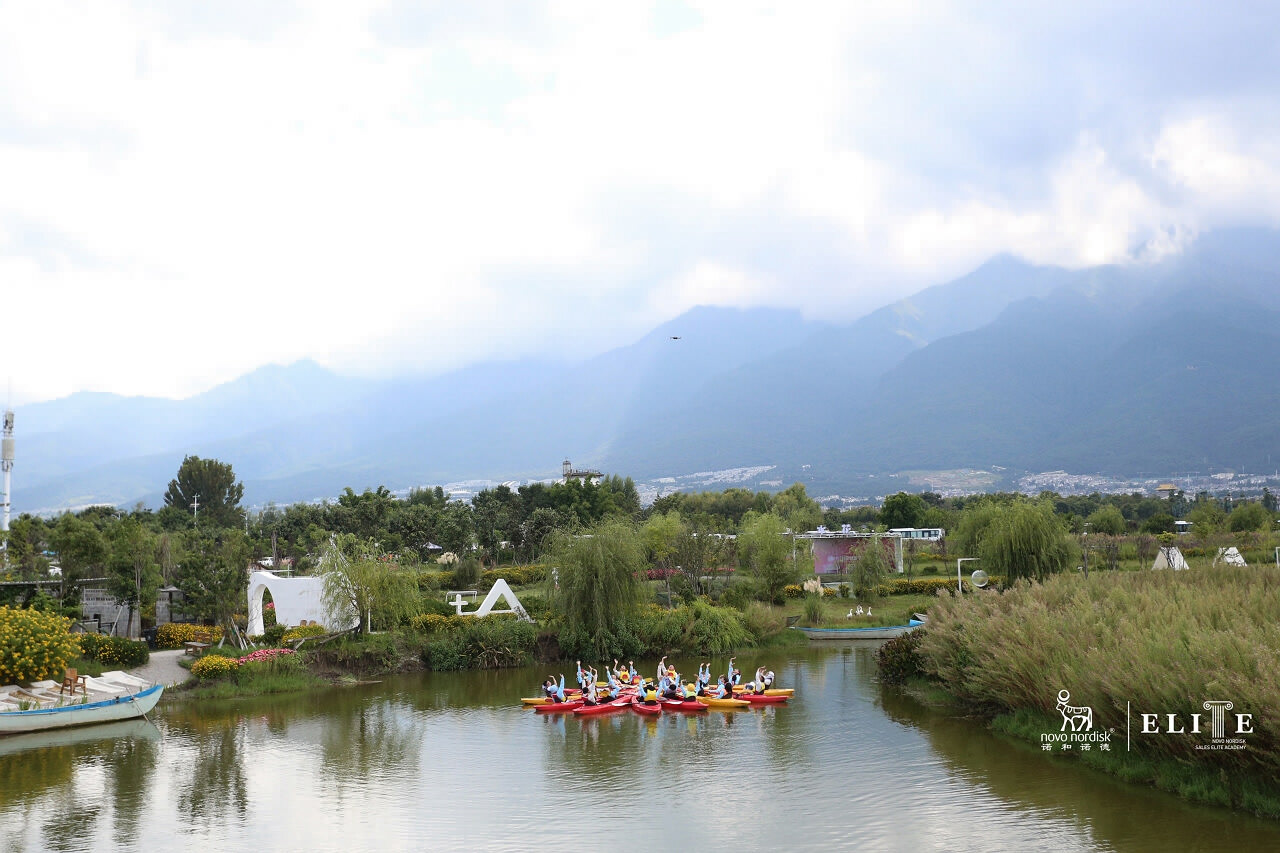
(163, 668)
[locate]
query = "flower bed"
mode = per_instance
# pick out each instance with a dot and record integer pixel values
(173, 634)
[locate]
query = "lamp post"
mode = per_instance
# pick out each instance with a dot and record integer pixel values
(959, 581)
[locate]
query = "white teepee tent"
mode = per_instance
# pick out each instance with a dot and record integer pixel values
(1229, 556)
(1170, 558)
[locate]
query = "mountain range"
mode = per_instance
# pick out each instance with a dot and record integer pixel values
(1124, 370)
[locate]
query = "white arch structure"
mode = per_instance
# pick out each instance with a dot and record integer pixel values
(500, 590)
(295, 599)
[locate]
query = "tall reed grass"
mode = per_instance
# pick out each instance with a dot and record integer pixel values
(1165, 642)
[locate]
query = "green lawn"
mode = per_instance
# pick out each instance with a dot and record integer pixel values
(890, 610)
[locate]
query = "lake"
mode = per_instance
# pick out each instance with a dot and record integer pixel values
(443, 761)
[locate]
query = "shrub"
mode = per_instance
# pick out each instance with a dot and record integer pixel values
(898, 660)
(793, 590)
(173, 634)
(106, 649)
(812, 609)
(514, 575)
(488, 643)
(762, 622)
(301, 632)
(436, 606)
(432, 623)
(274, 635)
(213, 666)
(33, 645)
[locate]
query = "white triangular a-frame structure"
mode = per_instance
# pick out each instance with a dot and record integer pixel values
(500, 590)
(1170, 558)
(1229, 556)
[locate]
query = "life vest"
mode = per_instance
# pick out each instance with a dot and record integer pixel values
(650, 696)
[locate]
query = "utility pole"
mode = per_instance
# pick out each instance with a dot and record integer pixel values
(195, 507)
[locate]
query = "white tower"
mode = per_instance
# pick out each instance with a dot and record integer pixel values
(6, 464)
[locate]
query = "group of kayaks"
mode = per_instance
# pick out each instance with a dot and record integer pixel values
(630, 698)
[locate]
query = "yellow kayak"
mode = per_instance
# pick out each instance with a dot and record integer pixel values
(712, 702)
(772, 691)
(534, 700)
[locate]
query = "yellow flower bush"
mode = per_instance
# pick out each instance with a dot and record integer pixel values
(303, 631)
(174, 634)
(213, 666)
(34, 645)
(431, 623)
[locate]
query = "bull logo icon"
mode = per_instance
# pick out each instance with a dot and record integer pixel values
(1079, 719)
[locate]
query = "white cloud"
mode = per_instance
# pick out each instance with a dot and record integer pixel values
(186, 198)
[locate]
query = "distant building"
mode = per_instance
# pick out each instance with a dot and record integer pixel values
(928, 534)
(584, 474)
(1182, 526)
(1165, 490)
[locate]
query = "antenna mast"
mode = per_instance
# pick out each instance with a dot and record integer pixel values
(6, 464)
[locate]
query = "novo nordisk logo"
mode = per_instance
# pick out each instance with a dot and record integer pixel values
(1077, 728)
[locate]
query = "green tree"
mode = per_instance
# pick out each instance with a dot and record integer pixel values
(536, 531)
(359, 579)
(870, 569)
(764, 551)
(80, 546)
(1026, 541)
(455, 528)
(211, 483)
(797, 510)
(903, 510)
(1107, 520)
(1249, 516)
(1207, 518)
(213, 574)
(597, 584)
(133, 573)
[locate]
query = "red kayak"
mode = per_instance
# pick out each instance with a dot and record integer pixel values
(558, 707)
(646, 708)
(603, 707)
(683, 705)
(761, 699)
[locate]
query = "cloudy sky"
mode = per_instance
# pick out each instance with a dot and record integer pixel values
(190, 190)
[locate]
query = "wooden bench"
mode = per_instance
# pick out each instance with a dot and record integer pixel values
(195, 648)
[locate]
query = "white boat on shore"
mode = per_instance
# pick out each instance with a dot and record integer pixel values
(111, 697)
(887, 632)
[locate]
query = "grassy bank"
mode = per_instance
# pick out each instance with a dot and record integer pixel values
(1127, 644)
(218, 675)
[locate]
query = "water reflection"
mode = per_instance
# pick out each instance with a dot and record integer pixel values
(450, 760)
(1117, 816)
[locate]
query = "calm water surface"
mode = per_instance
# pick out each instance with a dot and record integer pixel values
(450, 761)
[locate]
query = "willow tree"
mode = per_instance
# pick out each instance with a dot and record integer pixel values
(596, 584)
(1026, 541)
(360, 580)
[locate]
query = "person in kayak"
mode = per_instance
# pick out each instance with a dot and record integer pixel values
(768, 679)
(690, 692)
(590, 693)
(549, 687)
(704, 675)
(757, 685)
(615, 686)
(631, 668)
(647, 694)
(723, 690)
(734, 675)
(582, 676)
(557, 691)
(662, 668)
